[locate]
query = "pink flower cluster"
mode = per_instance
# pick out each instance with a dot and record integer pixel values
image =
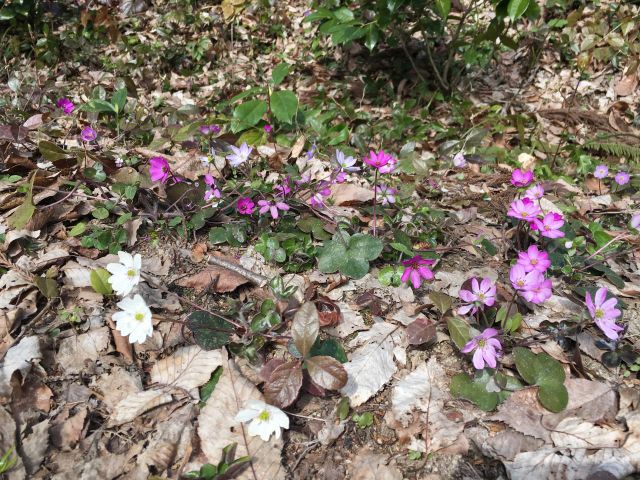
(527, 275)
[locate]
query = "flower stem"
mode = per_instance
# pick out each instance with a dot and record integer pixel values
(375, 201)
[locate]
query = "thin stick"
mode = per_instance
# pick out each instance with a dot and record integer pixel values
(375, 201)
(253, 277)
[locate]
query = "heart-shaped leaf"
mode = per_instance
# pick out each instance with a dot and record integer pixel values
(475, 391)
(545, 372)
(305, 328)
(210, 332)
(421, 330)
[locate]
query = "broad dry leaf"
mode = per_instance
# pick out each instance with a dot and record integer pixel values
(187, 368)
(34, 446)
(76, 350)
(136, 404)
(371, 366)
(67, 428)
(19, 358)
(372, 466)
(218, 428)
(215, 278)
(347, 193)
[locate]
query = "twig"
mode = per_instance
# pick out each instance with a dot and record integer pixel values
(253, 277)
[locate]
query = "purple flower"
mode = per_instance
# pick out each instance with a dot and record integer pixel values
(341, 176)
(88, 134)
(272, 208)
(482, 293)
(523, 280)
(520, 178)
(459, 161)
(549, 226)
(377, 159)
(386, 194)
(66, 105)
(538, 293)
(212, 191)
(635, 221)
(535, 193)
(604, 312)
(622, 178)
(601, 171)
(239, 155)
(417, 269)
(534, 259)
(245, 206)
(283, 189)
(159, 169)
(346, 164)
(389, 167)
(317, 199)
(524, 209)
(487, 349)
(205, 129)
(268, 128)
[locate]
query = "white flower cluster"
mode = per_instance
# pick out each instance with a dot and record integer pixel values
(134, 318)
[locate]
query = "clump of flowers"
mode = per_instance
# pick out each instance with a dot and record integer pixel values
(416, 270)
(531, 284)
(482, 294)
(485, 347)
(604, 312)
(521, 178)
(240, 154)
(264, 419)
(65, 105)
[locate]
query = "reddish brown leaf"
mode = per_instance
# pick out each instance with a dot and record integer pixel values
(328, 312)
(305, 327)
(327, 372)
(284, 384)
(215, 278)
(269, 367)
(421, 330)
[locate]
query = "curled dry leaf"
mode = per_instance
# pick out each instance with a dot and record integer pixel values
(327, 372)
(328, 311)
(305, 327)
(19, 358)
(284, 384)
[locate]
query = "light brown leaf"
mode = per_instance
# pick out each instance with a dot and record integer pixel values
(187, 368)
(67, 428)
(136, 404)
(348, 193)
(216, 278)
(327, 372)
(305, 327)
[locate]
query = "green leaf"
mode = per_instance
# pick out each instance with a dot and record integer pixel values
(284, 105)
(331, 256)
(516, 8)
(525, 363)
(389, 276)
(218, 235)
(363, 420)
(78, 229)
(442, 301)
(401, 247)
(343, 408)
(372, 37)
(99, 106)
(21, 216)
(248, 114)
(462, 386)
(513, 323)
(545, 372)
(331, 348)
(99, 279)
(443, 7)
(210, 332)
(119, 100)
(253, 136)
(100, 213)
(51, 152)
(489, 247)
(365, 246)
(337, 134)
(207, 389)
(279, 73)
(343, 15)
(553, 396)
(47, 286)
(355, 267)
(459, 331)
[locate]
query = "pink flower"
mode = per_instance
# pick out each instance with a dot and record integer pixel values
(483, 293)
(604, 312)
(159, 169)
(538, 293)
(341, 176)
(601, 171)
(487, 349)
(212, 192)
(66, 105)
(535, 193)
(416, 269)
(283, 189)
(245, 206)
(386, 194)
(524, 209)
(635, 221)
(88, 134)
(377, 159)
(549, 226)
(317, 199)
(520, 178)
(209, 129)
(272, 208)
(268, 128)
(534, 259)
(622, 178)
(523, 280)
(459, 161)
(389, 167)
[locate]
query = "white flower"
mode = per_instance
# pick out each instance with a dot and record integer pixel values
(134, 320)
(126, 274)
(239, 155)
(346, 163)
(205, 160)
(265, 419)
(568, 244)
(459, 160)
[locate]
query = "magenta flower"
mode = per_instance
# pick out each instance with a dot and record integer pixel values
(317, 199)
(272, 208)
(601, 171)
(283, 189)
(487, 349)
(622, 178)
(268, 128)
(389, 167)
(523, 280)
(538, 293)
(482, 293)
(341, 176)
(549, 226)
(459, 161)
(159, 169)
(417, 269)
(245, 206)
(534, 259)
(535, 193)
(604, 312)
(377, 159)
(520, 178)
(88, 134)
(66, 105)
(525, 209)
(386, 194)
(204, 129)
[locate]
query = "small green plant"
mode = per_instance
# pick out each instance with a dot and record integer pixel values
(349, 254)
(228, 467)
(7, 461)
(363, 420)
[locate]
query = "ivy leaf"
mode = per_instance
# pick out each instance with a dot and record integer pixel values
(305, 327)
(284, 384)
(210, 332)
(284, 105)
(332, 256)
(545, 372)
(366, 245)
(327, 372)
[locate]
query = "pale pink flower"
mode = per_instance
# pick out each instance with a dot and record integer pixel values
(535, 193)
(482, 293)
(622, 178)
(487, 349)
(549, 226)
(525, 209)
(534, 259)
(272, 208)
(601, 171)
(604, 312)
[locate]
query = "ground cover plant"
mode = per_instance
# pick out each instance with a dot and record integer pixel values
(319, 240)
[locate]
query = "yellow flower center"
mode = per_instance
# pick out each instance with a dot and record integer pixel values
(534, 261)
(482, 343)
(599, 313)
(481, 296)
(264, 415)
(139, 316)
(523, 214)
(131, 272)
(520, 283)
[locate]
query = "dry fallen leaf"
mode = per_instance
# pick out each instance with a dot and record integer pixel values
(216, 278)
(136, 404)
